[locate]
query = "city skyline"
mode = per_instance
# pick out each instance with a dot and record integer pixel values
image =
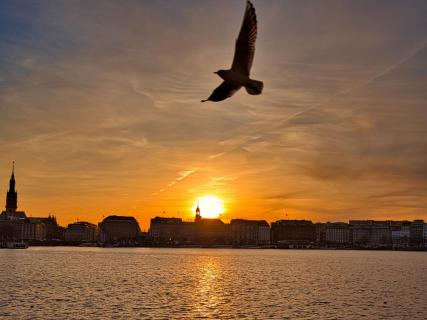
(208, 202)
(102, 115)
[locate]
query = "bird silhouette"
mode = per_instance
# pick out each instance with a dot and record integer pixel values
(238, 75)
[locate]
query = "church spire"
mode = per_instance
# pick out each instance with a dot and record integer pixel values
(12, 178)
(12, 195)
(198, 216)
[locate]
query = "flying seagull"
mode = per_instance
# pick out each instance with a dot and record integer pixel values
(238, 75)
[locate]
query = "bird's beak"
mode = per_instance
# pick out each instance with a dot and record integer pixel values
(216, 72)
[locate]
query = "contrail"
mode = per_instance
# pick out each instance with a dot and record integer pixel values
(365, 83)
(387, 70)
(182, 175)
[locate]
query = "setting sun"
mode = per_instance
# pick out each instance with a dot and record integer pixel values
(210, 206)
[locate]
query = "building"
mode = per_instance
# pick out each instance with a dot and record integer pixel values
(6, 232)
(293, 232)
(425, 235)
(28, 229)
(198, 217)
(320, 233)
(166, 230)
(416, 233)
(23, 227)
(370, 233)
(250, 232)
(405, 233)
(11, 212)
(81, 231)
(119, 229)
(16, 221)
(34, 229)
(337, 234)
(396, 232)
(210, 232)
(53, 230)
(400, 233)
(174, 231)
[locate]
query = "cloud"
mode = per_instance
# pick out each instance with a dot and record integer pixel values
(99, 104)
(181, 176)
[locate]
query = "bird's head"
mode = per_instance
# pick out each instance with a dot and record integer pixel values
(220, 73)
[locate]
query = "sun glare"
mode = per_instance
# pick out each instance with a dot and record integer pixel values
(210, 206)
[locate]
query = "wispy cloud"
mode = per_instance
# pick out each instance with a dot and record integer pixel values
(181, 176)
(101, 110)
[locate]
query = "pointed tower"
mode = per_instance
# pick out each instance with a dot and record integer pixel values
(198, 216)
(12, 195)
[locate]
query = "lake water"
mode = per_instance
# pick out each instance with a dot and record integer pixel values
(145, 283)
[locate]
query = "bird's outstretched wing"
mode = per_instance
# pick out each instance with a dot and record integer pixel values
(245, 43)
(222, 92)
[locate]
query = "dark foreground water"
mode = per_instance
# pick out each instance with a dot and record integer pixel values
(97, 283)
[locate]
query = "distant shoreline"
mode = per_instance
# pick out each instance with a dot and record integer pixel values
(271, 247)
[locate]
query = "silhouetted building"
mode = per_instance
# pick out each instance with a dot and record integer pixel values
(12, 194)
(53, 230)
(119, 229)
(337, 234)
(250, 232)
(293, 232)
(405, 233)
(416, 233)
(320, 233)
(370, 233)
(16, 221)
(24, 229)
(6, 232)
(202, 231)
(212, 231)
(198, 217)
(164, 230)
(81, 231)
(12, 201)
(34, 229)
(425, 235)
(400, 233)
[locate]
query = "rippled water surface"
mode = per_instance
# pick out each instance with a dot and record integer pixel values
(116, 283)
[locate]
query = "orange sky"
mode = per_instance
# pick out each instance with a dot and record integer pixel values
(100, 108)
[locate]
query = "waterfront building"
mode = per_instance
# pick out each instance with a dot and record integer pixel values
(370, 233)
(211, 232)
(405, 231)
(400, 233)
(250, 232)
(23, 227)
(6, 232)
(425, 235)
(416, 233)
(201, 231)
(164, 230)
(337, 234)
(81, 231)
(53, 230)
(293, 232)
(119, 229)
(34, 229)
(27, 229)
(396, 233)
(11, 212)
(320, 229)
(198, 217)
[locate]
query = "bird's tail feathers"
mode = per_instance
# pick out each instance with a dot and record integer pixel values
(254, 87)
